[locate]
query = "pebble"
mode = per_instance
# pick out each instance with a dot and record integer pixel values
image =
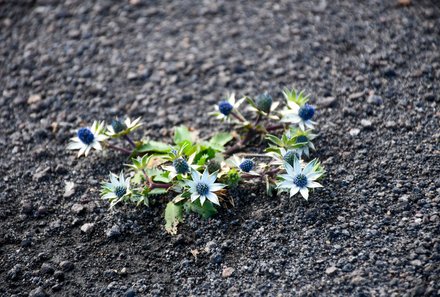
(46, 268)
(130, 293)
(69, 189)
(374, 99)
(67, 266)
(216, 258)
(354, 132)
(227, 272)
(113, 232)
(331, 270)
(366, 123)
(15, 272)
(87, 227)
(78, 208)
(34, 99)
(40, 174)
(38, 292)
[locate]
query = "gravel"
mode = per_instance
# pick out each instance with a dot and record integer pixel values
(372, 68)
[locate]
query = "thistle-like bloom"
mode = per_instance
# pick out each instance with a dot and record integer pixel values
(203, 187)
(300, 180)
(301, 115)
(118, 128)
(88, 138)
(284, 155)
(226, 107)
(181, 166)
(264, 102)
(244, 165)
(117, 189)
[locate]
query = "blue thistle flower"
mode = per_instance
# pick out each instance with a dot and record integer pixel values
(118, 126)
(300, 180)
(302, 139)
(290, 156)
(306, 112)
(247, 165)
(225, 107)
(181, 166)
(86, 136)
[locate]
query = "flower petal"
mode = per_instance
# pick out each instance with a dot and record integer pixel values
(296, 166)
(216, 187)
(213, 198)
(194, 197)
(294, 190)
(305, 193)
(314, 185)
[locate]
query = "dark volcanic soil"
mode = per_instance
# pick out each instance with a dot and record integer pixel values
(373, 230)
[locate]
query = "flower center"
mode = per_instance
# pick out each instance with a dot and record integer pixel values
(247, 165)
(181, 166)
(301, 139)
(225, 107)
(306, 112)
(290, 156)
(85, 135)
(202, 189)
(120, 191)
(118, 126)
(300, 180)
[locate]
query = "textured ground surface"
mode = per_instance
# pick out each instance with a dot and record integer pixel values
(373, 231)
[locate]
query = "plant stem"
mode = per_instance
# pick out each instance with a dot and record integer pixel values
(154, 185)
(274, 127)
(130, 141)
(120, 149)
(235, 115)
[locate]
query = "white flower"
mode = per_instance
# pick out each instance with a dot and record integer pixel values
(117, 128)
(298, 115)
(299, 180)
(88, 138)
(203, 187)
(117, 189)
(181, 166)
(228, 106)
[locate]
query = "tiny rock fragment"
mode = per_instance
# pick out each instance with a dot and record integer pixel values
(354, 132)
(69, 189)
(366, 123)
(87, 227)
(34, 99)
(331, 270)
(404, 2)
(227, 272)
(356, 95)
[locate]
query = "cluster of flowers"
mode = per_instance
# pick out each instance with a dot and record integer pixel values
(198, 171)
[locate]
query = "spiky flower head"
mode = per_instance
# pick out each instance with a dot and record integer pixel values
(181, 166)
(203, 187)
(306, 112)
(213, 166)
(118, 126)
(225, 107)
(299, 98)
(290, 156)
(246, 165)
(264, 102)
(88, 138)
(117, 189)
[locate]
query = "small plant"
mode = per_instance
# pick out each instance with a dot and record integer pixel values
(193, 175)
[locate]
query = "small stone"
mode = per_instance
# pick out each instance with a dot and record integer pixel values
(416, 263)
(130, 293)
(356, 95)
(327, 102)
(113, 232)
(40, 174)
(15, 272)
(27, 242)
(210, 246)
(404, 2)
(390, 124)
(216, 258)
(354, 132)
(34, 99)
(46, 268)
(227, 272)
(69, 189)
(366, 123)
(331, 270)
(430, 97)
(26, 207)
(38, 292)
(390, 73)
(42, 211)
(87, 227)
(78, 208)
(59, 275)
(132, 76)
(374, 99)
(66, 266)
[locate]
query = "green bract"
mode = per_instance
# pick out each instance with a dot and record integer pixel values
(193, 174)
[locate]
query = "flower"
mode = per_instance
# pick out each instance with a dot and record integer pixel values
(244, 165)
(301, 115)
(203, 187)
(117, 189)
(282, 155)
(88, 138)
(300, 98)
(299, 180)
(181, 166)
(117, 128)
(226, 107)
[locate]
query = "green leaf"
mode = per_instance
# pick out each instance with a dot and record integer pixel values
(251, 102)
(206, 211)
(157, 191)
(220, 139)
(154, 146)
(173, 216)
(274, 139)
(182, 134)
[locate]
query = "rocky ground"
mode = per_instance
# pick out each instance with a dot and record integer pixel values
(373, 68)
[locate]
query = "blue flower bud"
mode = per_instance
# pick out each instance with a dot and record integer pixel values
(264, 102)
(118, 126)
(306, 112)
(225, 107)
(247, 165)
(302, 139)
(213, 166)
(290, 156)
(86, 136)
(181, 166)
